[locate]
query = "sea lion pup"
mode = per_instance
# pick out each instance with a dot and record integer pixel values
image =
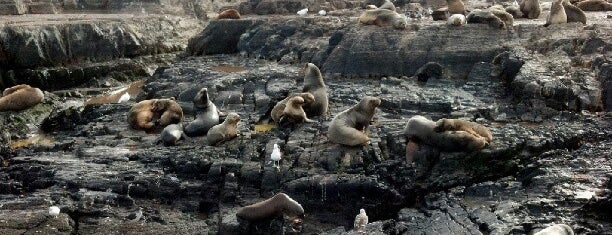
(476, 129)
(557, 229)
(313, 84)
(279, 204)
(531, 8)
(349, 126)
(294, 112)
(383, 17)
(485, 17)
(20, 97)
(557, 14)
(387, 5)
(421, 130)
(277, 111)
(595, 5)
(514, 11)
(503, 15)
(170, 111)
(456, 20)
(207, 116)
(172, 134)
(573, 13)
(455, 7)
(229, 14)
(141, 115)
(224, 131)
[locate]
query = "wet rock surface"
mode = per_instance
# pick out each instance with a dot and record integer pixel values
(540, 91)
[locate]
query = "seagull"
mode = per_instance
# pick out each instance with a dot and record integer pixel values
(361, 220)
(303, 12)
(515, 3)
(54, 211)
(322, 12)
(124, 98)
(276, 156)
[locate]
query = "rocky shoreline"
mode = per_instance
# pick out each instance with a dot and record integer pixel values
(541, 91)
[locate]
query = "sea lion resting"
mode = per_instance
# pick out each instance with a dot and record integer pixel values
(20, 97)
(279, 204)
(383, 17)
(279, 108)
(422, 130)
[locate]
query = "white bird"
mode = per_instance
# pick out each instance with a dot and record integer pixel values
(276, 155)
(361, 220)
(515, 3)
(303, 12)
(135, 216)
(54, 211)
(322, 12)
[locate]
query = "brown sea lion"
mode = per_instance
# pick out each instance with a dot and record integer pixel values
(387, 5)
(349, 126)
(277, 205)
(141, 115)
(229, 14)
(455, 7)
(313, 84)
(170, 111)
(557, 14)
(421, 130)
(293, 112)
(594, 5)
(514, 11)
(383, 17)
(277, 111)
(485, 17)
(224, 131)
(20, 97)
(506, 17)
(531, 8)
(476, 129)
(573, 13)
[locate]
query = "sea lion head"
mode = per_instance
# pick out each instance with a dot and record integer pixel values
(201, 98)
(368, 104)
(232, 118)
(296, 101)
(308, 98)
(401, 22)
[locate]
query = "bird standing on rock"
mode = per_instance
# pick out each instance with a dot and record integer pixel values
(54, 211)
(276, 156)
(361, 220)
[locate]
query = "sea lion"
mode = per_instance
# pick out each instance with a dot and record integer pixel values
(20, 97)
(557, 14)
(383, 17)
(455, 7)
(573, 13)
(476, 129)
(514, 11)
(371, 7)
(229, 14)
(531, 8)
(279, 204)
(485, 17)
(556, 229)
(456, 20)
(313, 84)
(172, 134)
(506, 17)
(594, 5)
(224, 131)
(207, 114)
(278, 109)
(440, 14)
(387, 5)
(141, 115)
(293, 112)
(349, 126)
(170, 111)
(421, 130)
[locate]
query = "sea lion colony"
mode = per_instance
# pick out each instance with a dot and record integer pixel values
(348, 127)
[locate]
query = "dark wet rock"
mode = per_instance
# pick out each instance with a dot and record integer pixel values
(605, 79)
(507, 66)
(220, 37)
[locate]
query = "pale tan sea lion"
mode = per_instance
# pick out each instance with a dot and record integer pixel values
(557, 14)
(278, 109)
(277, 205)
(224, 131)
(531, 8)
(20, 97)
(557, 229)
(383, 17)
(349, 126)
(476, 129)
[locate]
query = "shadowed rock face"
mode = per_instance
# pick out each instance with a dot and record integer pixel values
(547, 163)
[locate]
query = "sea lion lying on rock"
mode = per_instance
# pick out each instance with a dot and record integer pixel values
(383, 17)
(20, 97)
(279, 204)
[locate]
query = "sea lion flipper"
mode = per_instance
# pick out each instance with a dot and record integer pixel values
(309, 120)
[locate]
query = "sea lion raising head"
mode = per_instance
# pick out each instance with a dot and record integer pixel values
(349, 126)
